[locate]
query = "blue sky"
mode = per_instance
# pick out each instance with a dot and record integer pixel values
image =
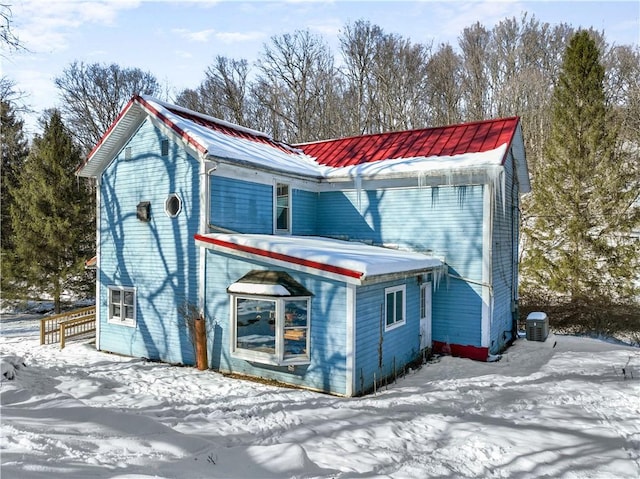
(176, 41)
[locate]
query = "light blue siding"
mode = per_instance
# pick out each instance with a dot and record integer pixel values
(327, 369)
(304, 209)
(504, 261)
(445, 221)
(241, 206)
(384, 354)
(158, 258)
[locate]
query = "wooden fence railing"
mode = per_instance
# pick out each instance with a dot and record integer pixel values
(60, 327)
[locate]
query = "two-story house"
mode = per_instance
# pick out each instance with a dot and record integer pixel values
(330, 265)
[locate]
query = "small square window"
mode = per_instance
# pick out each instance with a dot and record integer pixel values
(122, 306)
(394, 306)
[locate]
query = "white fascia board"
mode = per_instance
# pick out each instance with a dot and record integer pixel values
(232, 170)
(520, 162)
(487, 261)
(350, 349)
(98, 262)
(467, 177)
(113, 142)
(203, 226)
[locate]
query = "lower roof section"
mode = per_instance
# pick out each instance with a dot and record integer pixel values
(343, 260)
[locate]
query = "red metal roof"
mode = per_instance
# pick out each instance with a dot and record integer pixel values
(441, 141)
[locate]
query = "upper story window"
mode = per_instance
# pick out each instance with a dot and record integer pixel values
(122, 306)
(270, 319)
(282, 208)
(395, 308)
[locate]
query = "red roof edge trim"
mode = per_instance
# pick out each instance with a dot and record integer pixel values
(107, 133)
(282, 257)
(149, 107)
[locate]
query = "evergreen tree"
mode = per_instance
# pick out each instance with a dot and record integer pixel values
(51, 216)
(582, 215)
(14, 148)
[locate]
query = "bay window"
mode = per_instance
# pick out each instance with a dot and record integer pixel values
(270, 319)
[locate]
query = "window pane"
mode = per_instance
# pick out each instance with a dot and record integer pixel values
(390, 308)
(295, 313)
(115, 296)
(115, 310)
(128, 312)
(282, 218)
(128, 298)
(256, 321)
(295, 342)
(282, 189)
(399, 304)
(423, 303)
(282, 206)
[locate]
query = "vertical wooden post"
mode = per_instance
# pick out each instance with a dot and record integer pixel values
(42, 327)
(201, 344)
(62, 335)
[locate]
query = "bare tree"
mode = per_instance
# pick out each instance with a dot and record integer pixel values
(8, 39)
(224, 93)
(385, 79)
(623, 88)
(444, 71)
(194, 99)
(400, 71)
(359, 43)
(10, 94)
(474, 44)
(296, 72)
(229, 79)
(93, 96)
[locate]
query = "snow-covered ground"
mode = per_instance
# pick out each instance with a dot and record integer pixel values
(560, 409)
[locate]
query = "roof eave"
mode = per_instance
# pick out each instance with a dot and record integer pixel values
(127, 121)
(310, 266)
(121, 130)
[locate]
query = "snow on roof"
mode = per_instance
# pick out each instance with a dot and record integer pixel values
(427, 151)
(219, 145)
(350, 261)
(269, 154)
(417, 165)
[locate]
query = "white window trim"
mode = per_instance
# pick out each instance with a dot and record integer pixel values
(423, 299)
(275, 209)
(395, 324)
(130, 322)
(276, 359)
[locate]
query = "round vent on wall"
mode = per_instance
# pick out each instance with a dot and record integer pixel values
(173, 205)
